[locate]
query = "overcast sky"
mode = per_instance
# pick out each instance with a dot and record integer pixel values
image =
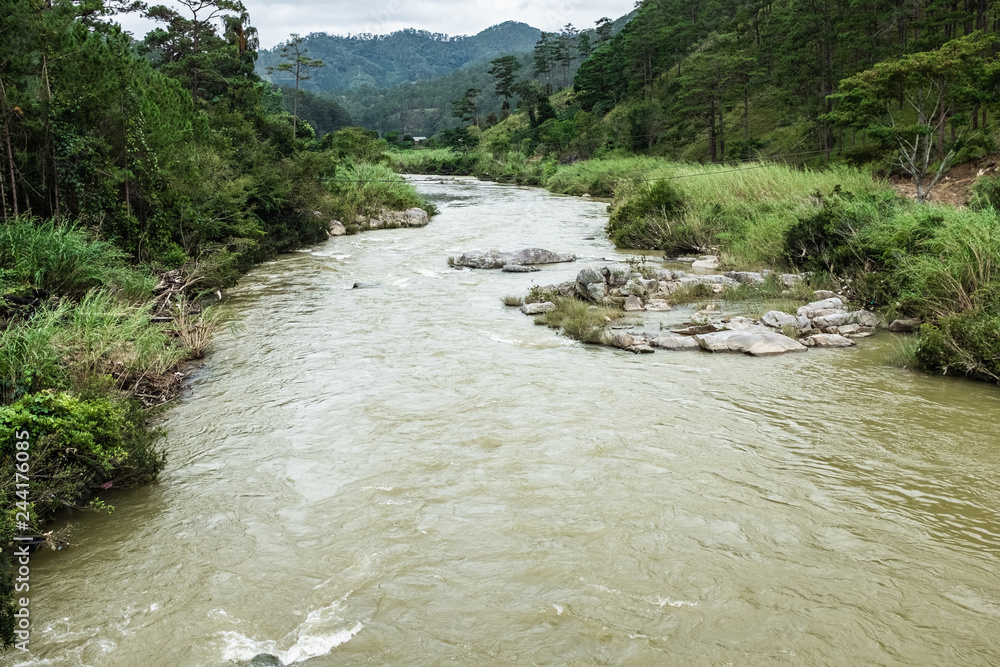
(275, 20)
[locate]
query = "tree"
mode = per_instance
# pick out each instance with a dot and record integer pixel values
(467, 108)
(544, 61)
(189, 48)
(299, 65)
(936, 86)
(505, 71)
(535, 102)
(603, 29)
(584, 46)
(564, 50)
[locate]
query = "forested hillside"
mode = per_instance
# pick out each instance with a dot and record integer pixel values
(401, 57)
(424, 108)
(714, 79)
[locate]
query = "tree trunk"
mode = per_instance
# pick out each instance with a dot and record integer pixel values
(722, 134)
(10, 152)
(713, 149)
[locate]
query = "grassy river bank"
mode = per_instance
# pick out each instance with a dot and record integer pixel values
(881, 251)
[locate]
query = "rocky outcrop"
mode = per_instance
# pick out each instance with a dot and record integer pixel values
(386, 219)
(826, 316)
(494, 259)
(633, 304)
(748, 342)
(675, 343)
(755, 278)
(777, 320)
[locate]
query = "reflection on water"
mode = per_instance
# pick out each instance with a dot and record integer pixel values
(416, 475)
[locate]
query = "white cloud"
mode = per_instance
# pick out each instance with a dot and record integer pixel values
(275, 21)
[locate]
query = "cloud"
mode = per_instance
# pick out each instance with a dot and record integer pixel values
(275, 21)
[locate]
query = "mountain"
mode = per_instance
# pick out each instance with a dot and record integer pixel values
(381, 61)
(424, 107)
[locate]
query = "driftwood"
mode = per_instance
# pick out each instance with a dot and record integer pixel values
(171, 288)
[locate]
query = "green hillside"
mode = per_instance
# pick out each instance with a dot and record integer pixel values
(405, 56)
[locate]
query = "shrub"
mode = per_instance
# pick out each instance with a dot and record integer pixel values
(965, 344)
(651, 216)
(76, 446)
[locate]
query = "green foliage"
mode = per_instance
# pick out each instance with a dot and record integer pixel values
(76, 446)
(66, 260)
(579, 320)
(367, 189)
(964, 344)
(651, 216)
(357, 145)
(986, 193)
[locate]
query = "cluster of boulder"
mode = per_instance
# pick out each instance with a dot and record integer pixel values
(619, 285)
(825, 322)
(522, 261)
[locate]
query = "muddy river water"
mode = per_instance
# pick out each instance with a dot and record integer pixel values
(416, 475)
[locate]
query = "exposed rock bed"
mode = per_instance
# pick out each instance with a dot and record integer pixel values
(494, 259)
(824, 323)
(386, 219)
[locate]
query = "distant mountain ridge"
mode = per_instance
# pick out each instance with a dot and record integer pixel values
(357, 61)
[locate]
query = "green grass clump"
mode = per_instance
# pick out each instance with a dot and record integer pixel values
(66, 347)
(580, 321)
(691, 293)
(513, 300)
(67, 260)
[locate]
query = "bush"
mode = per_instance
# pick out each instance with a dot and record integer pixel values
(651, 216)
(76, 446)
(966, 344)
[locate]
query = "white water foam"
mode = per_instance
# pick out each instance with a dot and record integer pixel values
(312, 638)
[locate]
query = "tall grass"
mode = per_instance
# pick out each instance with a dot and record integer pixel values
(580, 320)
(65, 259)
(68, 346)
(368, 189)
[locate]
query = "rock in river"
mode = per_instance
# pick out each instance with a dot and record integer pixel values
(756, 344)
(517, 268)
(538, 308)
(494, 259)
(828, 340)
(904, 326)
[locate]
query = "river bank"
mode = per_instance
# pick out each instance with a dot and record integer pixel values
(414, 474)
(934, 262)
(93, 348)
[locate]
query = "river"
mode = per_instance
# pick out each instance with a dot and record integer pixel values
(417, 475)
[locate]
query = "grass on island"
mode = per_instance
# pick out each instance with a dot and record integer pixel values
(580, 320)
